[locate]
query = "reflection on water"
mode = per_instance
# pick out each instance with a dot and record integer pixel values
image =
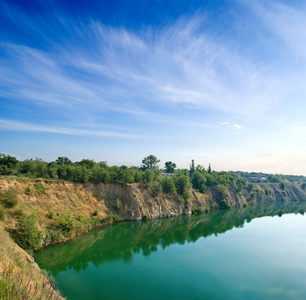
(121, 242)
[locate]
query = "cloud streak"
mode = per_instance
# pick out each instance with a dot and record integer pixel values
(28, 127)
(133, 72)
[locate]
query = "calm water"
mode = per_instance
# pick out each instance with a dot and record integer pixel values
(253, 253)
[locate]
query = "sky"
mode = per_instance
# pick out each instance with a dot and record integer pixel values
(216, 81)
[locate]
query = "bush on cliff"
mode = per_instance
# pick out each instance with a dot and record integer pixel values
(10, 197)
(26, 234)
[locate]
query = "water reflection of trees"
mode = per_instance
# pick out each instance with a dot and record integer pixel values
(122, 241)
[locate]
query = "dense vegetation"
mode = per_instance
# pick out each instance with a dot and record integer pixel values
(149, 174)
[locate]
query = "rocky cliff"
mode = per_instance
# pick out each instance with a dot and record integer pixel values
(65, 209)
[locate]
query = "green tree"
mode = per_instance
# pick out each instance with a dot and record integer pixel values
(169, 167)
(198, 181)
(210, 180)
(26, 234)
(200, 169)
(81, 174)
(99, 174)
(40, 168)
(52, 169)
(183, 185)
(148, 177)
(63, 161)
(87, 163)
(8, 164)
(156, 189)
(168, 185)
(150, 162)
(192, 168)
(27, 167)
(128, 176)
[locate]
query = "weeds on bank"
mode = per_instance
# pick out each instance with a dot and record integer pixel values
(14, 285)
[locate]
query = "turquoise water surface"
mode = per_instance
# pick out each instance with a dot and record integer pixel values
(252, 253)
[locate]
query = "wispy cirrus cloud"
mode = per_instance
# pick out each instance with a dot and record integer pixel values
(113, 69)
(29, 127)
(286, 21)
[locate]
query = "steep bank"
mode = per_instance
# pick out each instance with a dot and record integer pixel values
(65, 209)
(85, 202)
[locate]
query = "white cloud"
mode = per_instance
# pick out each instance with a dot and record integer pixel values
(124, 72)
(287, 21)
(6, 125)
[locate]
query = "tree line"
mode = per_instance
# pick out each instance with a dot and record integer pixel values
(148, 174)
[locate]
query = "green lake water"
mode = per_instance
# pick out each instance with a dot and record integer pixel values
(253, 253)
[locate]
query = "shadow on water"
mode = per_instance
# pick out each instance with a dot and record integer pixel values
(122, 240)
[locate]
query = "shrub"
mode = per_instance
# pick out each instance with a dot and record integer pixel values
(51, 214)
(221, 190)
(2, 213)
(156, 189)
(181, 199)
(95, 213)
(66, 223)
(225, 204)
(40, 188)
(79, 218)
(118, 205)
(250, 187)
(214, 207)
(145, 217)
(27, 235)
(10, 197)
(196, 211)
(28, 190)
(111, 218)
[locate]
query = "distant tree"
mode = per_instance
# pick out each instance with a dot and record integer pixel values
(102, 164)
(209, 169)
(40, 168)
(99, 174)
(250, 187)
(80, 174)
(52, 169)
(169, 167)
(210, 180)
(148, 177)
(168, 185)
(63, 161)
(127, 176)
(183, 185)
(8, 164)
(198, 181)
(200, 169)
(115, 173)
(87, 163)
(27, 167)
(150, 162)
(192, 168)
(137, 174)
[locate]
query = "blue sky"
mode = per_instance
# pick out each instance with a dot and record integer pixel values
(220, 82)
